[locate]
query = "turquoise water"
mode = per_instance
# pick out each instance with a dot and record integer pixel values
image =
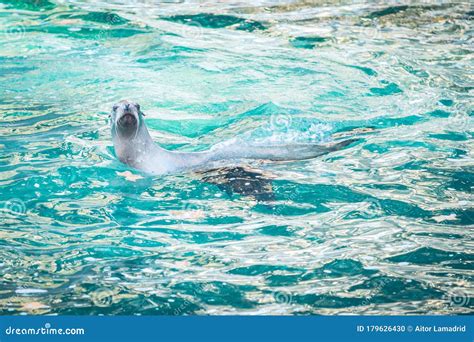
(382, 227)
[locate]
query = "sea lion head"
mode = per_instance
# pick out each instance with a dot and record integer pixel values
(126, 118)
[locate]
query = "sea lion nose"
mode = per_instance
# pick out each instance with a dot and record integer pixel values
(127, 106)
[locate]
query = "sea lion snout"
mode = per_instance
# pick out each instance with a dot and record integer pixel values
(126, 117)
(125, 112)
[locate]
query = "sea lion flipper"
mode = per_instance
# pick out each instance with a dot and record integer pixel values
(287, 152)
(240, 180)
(341, 144)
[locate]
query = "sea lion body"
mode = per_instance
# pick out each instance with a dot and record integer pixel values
(134, 146)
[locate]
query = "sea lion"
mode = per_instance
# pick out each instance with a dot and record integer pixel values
(134, 146)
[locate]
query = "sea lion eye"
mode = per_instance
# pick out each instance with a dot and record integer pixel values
(138, 106)
(114, 108)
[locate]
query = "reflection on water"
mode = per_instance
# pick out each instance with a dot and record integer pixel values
(382, 227)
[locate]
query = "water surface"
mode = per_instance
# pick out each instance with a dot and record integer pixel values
(382, 227)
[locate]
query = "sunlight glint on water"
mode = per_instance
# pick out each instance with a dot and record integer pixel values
(383, 227)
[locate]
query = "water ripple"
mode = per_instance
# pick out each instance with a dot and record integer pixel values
(382, 227)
